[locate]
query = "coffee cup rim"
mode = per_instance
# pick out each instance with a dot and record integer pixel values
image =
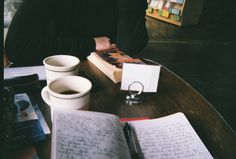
(61, 68)
(70, 96)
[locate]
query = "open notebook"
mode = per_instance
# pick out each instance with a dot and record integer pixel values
(84, 134)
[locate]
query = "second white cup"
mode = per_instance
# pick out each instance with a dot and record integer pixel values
(60, 65)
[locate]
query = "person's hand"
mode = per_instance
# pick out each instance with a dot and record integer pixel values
(103, 43)
(6, 61)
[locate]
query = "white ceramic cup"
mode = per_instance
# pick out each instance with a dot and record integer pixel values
(60, 65)
(67, 93)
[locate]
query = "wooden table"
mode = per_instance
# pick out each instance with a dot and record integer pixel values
(173, 95)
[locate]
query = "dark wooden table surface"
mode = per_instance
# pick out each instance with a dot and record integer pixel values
(173, 95)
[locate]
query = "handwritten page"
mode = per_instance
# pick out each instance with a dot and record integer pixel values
(83, 134)
(148, 75)
(169, 137)
(23, 71)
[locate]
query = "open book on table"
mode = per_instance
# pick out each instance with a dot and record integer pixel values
(30, 124)
(85, 134)
(110, 62)
(27, 126)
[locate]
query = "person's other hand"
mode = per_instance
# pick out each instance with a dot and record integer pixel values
(6, 61)
(103, 43)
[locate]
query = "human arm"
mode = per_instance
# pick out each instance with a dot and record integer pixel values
(131, 31)
(31, 36)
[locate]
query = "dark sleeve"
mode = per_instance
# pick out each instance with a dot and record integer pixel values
(131, 32)
(31, 37)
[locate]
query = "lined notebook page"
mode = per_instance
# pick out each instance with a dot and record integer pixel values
(83, 134)
(170, 137)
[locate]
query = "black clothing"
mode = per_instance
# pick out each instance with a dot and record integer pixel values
(41, 28)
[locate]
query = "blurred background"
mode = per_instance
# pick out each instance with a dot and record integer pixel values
(203, 54)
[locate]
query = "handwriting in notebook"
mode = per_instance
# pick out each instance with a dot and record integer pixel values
(94, 137)
(169, 139)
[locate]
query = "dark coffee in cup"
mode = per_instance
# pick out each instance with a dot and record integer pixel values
(69, 92)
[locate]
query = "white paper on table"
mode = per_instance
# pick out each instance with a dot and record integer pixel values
(12, 72)
(148, 75)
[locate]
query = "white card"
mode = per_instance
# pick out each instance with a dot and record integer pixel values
(148, 75)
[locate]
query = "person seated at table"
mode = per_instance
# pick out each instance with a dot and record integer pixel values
(41, 28)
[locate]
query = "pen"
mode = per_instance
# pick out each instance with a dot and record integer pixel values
(131, 141)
